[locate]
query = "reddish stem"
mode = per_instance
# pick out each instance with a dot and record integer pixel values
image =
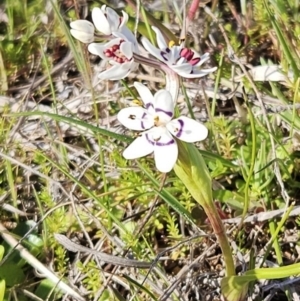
(192, 10)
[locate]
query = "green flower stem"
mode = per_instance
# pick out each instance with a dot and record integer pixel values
(193, 172)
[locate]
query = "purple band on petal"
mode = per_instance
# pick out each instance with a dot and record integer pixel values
(148, 105)
(180, 130)
(149, 140)
(142, 122)
(168, 113)
(172, 141)
(165, 144)
(163, 55)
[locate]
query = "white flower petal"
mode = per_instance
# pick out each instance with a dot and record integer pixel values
(113, 73)
(98, 49)
(160, 39)
(118, 71)
(153, 50)
(82, 36)
(100, 20)
(165, 151)
(188, 71)
(126, 49)
(124, 19)
(184, 68)
(113, 19)
(203, 59)
(140, 147)
(136, 118)
(267, 73)
(127, 35)
(116, 41)
(83, 25)
(175, 54)
(82, 30)
(198, 73)
(164, 105)
(145, 95)
(187, 129)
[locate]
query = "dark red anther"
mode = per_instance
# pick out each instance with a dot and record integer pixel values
(119, 60)
(187, 53)
(108, 53)
(194, 61)
(115, 48)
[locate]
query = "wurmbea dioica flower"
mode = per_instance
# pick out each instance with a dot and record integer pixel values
(106, 21)
(184, 61)
(159, 129)
(119, 54)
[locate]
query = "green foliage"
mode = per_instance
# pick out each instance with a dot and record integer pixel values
(2, 280)
(226, 138)
(20, 39)
(46, 290)
(233, 36)
(15, 270)
(93, 280)
(2, 289)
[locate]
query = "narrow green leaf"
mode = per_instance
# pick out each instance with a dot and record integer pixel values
(234, 288)
(46, 290)
(73, 121)
(283, 41)
(141, 287)
(168, 197)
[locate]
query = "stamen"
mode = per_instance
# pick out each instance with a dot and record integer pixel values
(137, 102)
(132, 117)
(187, 53)
(115, 53)
(195, 61)
(115, 48)
(108, 53)
(171, 43)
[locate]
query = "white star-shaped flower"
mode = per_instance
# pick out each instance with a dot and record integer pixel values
(159, 129)
(185, 62)
(119, 54)
(105, 20)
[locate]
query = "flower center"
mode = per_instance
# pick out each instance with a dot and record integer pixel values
(116, 54)
(158, 121)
